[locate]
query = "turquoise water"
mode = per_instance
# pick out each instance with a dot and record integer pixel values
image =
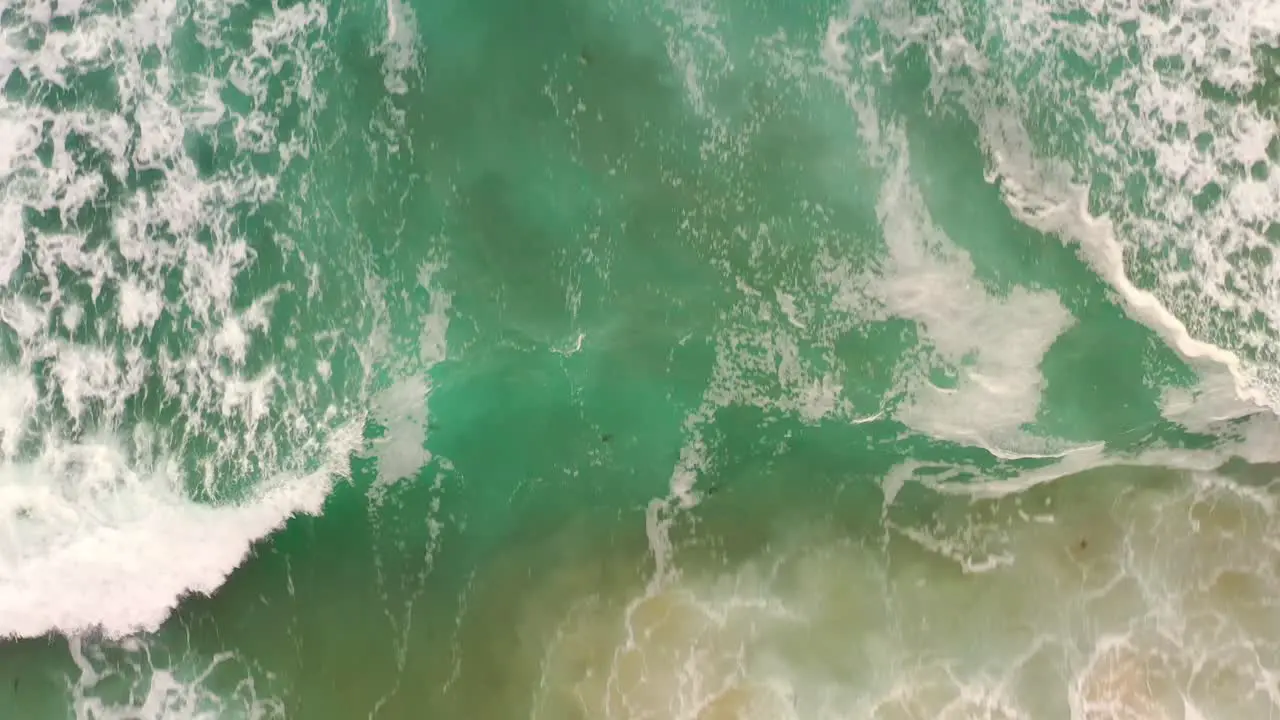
(634, 359)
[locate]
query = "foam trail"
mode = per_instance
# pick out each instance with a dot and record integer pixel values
(932, 283)
(160, 686)
(399, 53)
(402, 407)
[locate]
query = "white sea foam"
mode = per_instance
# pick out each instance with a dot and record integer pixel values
(996, 343)
(110, 547)
(108, 429)
(1061, 208)
(402, 407)
(435, 323)
(1143, 134)
(402, 410)
(400, 46)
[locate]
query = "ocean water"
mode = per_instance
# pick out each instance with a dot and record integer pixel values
(671, 359)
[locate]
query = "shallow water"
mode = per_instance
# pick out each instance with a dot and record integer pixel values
(1123, 592)
(638, 360)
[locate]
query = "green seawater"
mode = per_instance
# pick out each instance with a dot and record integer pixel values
(637, 359)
